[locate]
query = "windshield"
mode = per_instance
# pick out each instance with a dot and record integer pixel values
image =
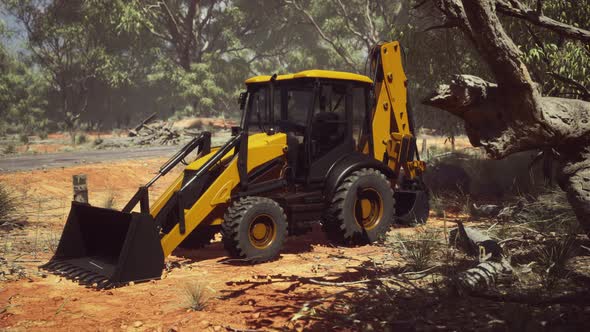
(288, 114)
(257, 110)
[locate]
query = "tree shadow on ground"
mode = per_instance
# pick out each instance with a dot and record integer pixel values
(365, 298)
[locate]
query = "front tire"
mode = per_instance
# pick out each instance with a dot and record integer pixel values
(254, 228)
(361, 210)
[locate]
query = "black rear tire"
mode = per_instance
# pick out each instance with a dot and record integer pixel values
(254, 228)
(361, 210)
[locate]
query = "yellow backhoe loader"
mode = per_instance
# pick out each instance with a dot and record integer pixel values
(317, 145)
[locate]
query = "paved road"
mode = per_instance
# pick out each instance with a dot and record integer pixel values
(64, 159)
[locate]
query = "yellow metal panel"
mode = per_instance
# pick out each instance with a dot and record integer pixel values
(395, 82)
(313, 73)
(391, 98)
(261, 149)
(195, 165)
(175, 186)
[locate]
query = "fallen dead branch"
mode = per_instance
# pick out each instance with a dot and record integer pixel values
(492, 263)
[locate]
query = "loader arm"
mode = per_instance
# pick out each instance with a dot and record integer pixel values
(262, 148)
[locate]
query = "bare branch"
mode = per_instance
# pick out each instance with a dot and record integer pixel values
(339, 49)
(355, 32)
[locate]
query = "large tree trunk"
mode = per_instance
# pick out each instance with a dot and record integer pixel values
(512, 116)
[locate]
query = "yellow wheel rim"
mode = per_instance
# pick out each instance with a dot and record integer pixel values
(262, 231)
(368, 208)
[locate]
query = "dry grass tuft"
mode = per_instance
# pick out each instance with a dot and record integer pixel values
(109, 201)
(549, 211)
(418, 249)
(8, 208)
(554, 258)
(197, 296)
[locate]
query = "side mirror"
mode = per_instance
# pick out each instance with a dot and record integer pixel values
(242, 100)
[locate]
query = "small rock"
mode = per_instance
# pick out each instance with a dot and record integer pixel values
(131, 283)
(205, 323)
(256, 315)
(109, 293)
(216, 328)
(137, 324)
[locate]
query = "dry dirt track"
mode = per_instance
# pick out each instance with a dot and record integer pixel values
(66, 159)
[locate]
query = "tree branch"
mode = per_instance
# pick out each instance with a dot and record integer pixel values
(517, 9)
(339, 50)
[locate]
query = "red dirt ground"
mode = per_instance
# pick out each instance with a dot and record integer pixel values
(262, 297)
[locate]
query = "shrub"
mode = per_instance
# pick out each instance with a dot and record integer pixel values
(98, 141)
(9, 149)
(23, 138)
(81, 139)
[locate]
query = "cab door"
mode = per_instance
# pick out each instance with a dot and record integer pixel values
(330, 124)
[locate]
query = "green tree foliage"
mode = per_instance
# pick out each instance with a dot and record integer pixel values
(22, 102)
(560, 65)
(108, 63)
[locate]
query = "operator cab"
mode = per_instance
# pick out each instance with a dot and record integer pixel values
(325, 115)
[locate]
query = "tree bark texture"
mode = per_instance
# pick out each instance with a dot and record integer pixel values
(511, 115)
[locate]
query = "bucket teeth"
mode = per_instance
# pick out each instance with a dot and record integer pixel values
(79, 274)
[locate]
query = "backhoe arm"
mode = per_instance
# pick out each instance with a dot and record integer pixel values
(394, 140)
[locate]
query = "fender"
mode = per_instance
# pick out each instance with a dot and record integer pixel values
(344, 166)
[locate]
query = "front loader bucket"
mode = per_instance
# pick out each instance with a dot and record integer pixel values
(105, 248)
(411, 206)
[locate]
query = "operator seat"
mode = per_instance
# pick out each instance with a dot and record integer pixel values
(327, 132)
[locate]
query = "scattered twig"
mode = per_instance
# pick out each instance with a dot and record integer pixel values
(60, 307)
